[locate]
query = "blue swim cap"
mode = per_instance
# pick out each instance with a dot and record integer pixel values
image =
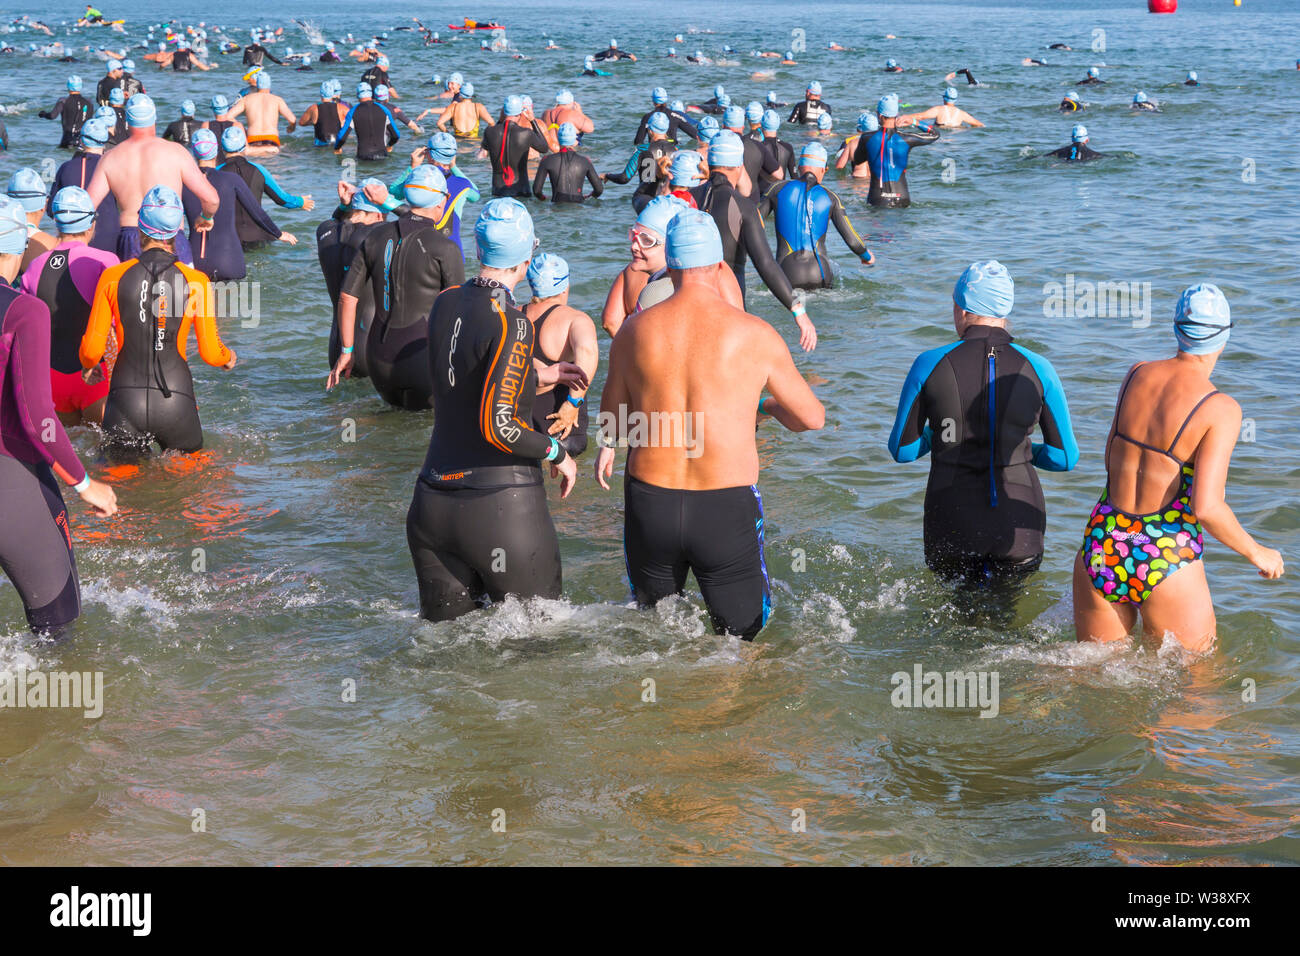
(1072, 96)
(513, 105)
(678, 106)
(204, 144)
(867, 123)
(724, 101)
(188, 107)
(789, 54)
(73, 210)
(382, 61)
(548, 275)
(128, 65)
(106, 115)
(754, 112)
(726, 149)
(950, 94)
(1191, 75)
(567, 134)
(986, 288)
(890, 64)
(116, 97)
(264, 80)
(658, 96)
(813, 156)
(442, 147)
(27, 189)
(381, 92)
(113, 65)
(1202, 320)
(658, 122)
(219, 104)
(659, 212)
(888, 105)
(683, 169)
(13, 228)
(707, 127)
(359, 202)
(1079, 134)
(425, 187)
(1139, 97)
(733, 118)
(563, 98)
(1093, 71)
(824, 121)
(161, 214)
(456, 78)
(327, 90)
(140, 112)
(672, 51)
(94, 133)
(365, 91)
(693, 241)
(719, 92)
(504, 234)
(771, 121)
(233, 139)
(74, 83)
(771, 96)
(815, 88)
(467, 90)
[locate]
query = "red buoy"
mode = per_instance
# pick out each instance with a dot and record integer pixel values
(1162, 6)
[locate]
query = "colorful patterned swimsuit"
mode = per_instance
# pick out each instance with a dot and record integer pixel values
(1127, 555)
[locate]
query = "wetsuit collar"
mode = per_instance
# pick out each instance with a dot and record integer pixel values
(993, 333)
(483, 283)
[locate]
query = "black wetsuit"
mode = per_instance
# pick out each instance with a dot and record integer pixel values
(886, 152)
(329, 56)
(130, 85)
(337, 243)
(1069, 106)
(566, 171)
(376, 77)
(182, 130)
(970, 79)
(219, 253)
(676, 122)
(612, 53)
(507, 145)
(479, 526)
(1075, 153)
(548, 403)
(120, 132)
(644, 164)
(781, 155)
(757, 159)
(406, 263)
(327, 123)
(1090, 81)
(106, 86)
(254, 54)
(78, 171)
(251, 229)
(72, 111)
(743, 238)
(374, 128)
(219, 127)
(809, 111)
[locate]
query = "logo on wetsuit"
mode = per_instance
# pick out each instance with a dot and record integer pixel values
(451, 352)
(512, 382)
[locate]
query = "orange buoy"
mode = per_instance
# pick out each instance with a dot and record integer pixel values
(1162, 6)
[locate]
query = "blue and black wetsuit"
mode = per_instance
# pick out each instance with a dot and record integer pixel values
(886, 152)
(644, 164)
(1075, 153)
(973, 405)
(258, 180)
(805, 210)
(376, 130)
(219, 253)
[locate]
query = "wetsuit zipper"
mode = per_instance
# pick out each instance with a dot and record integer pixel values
(991, 387)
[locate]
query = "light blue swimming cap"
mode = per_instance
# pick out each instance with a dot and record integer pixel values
(112, 65)
(327, 90)
(161, 214)
(365, 91)
(381, 92)
(771, 96)
(563, 98)
(890, 64)
(513, 105)
(567, 134)
(867, 123)
(264, 80)
(13, 228)
(382, 61)
(733, 118)
(116, 97)
(359, 202)
(825, 122)
(659, 212)
(74, 83)
(771, 121)
(188, 107)
(658, 96)
(693, 241)
(950, 94)
(726, 149)
(789, 54)
(140, 112)
(128, 65)
(754, 112)
(1079, 134)
(548, 275)
(719, 92)
(724, 101)
(815, 88)
(986, 288)
(504, 234)
(683, 169)
(467, 90)
(233, 139)
(1139, 97)
(658, 122)
(27, 189)
(1093, 71)
(204, 144)
(672, 51)
(813, 155)
(707, 127)
(456, 78)
(73, 210)
(106, 115)
(425, 187)
(219, 104)
(1191, 75)
(1072, 96)
(678, 106)
(442, 147)
(94, 133)
(1202, 320)
(888, 105)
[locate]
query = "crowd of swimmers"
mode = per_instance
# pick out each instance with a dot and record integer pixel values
(96, 316)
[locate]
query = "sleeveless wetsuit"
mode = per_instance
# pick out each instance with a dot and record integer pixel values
(566, 171)
(548, 403)
(406, 263)
(218, 253)
(337, 244)
(182, 61)
(327, 123)
(886, 153)
(743, 237)
(507, 145)
(479, 526)
(78, 171)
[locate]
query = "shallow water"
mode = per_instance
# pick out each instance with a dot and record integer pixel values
(224, 686)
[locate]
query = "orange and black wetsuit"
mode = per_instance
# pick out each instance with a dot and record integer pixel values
(479, 526)
(150, 303)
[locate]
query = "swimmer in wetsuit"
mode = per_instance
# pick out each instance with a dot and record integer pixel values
(810, 109)
(1092, 79)
(507, 144)
(676, 122)
(758, 161)
(610, 53)
(36, 547)
(1143, 546)
(972, 405)
(252, 230)
(220, 122)
(1192, 79)
(1071, 103)
(78, 171)
(566, 171)
(970, 77)
(338, 240)
(150, 304)
(1143, 103)
(1078, 151)
(886, 152)
(560, 334)
(645, 162)
(805, 210)
(182, 130)
(780, 161)
(479, 527)
(406, 263)
(376, 129)
(71, 111)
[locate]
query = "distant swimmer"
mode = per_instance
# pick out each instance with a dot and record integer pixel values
(589, 68)
(1031, 61)
(338, 241)
(1071, 103)
(36, 551)
(28, 190)
(255, 54)
(671, 53)
(561, 333)
(1192, 79)
(375, 127)
(832, 45)
(891, 66)
(78, 171)
(772, 103)
(788, 59)
(1060, 46)
(1093, 77)
(507, 145)
(326, 117)
(1143, 103)
(151, 390)
(612, 52)
(645, 163)
(567, 170)
(72, 111)
(676, 121)
(182, 130)
(804, 211)
(1167, 459)
(691, 498)
(183, 59)
(479, 527)
(64, 278)
(329, 55)
(887, 151)
(1078, 151)
(468, 117)
(984, 508)
(947, 115)
(867, 124)
(810, 109)
(264, 110)
(970, 77)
